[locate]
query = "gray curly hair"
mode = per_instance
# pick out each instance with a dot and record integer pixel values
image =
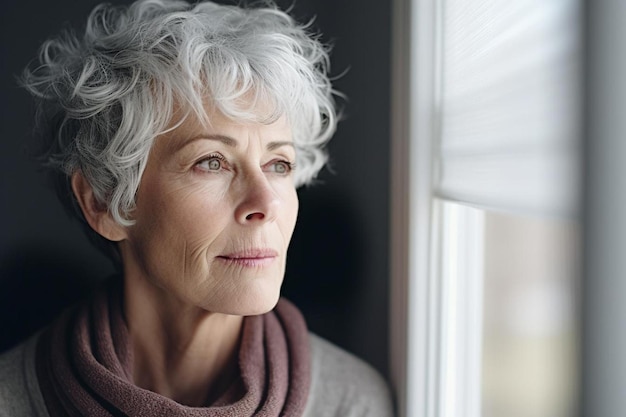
(105, 96)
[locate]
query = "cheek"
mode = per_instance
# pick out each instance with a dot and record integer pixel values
(291, 212)
(183, 207)
(176, 222)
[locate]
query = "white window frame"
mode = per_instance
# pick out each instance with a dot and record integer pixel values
(420, 315)
(460, 274)
(414, 306)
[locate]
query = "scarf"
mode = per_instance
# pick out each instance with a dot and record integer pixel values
(84, 366)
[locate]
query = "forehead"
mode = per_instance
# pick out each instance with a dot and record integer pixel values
(218, 126)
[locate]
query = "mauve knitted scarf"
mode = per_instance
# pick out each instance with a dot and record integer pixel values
(84, 365)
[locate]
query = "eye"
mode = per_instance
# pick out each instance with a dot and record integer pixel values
(213, 162)
(281, 167)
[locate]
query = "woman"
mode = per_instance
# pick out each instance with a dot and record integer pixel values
(178, 135)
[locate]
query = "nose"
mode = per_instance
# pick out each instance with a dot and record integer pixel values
(259, 202)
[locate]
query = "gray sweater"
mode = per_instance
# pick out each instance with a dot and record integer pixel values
(341, 386)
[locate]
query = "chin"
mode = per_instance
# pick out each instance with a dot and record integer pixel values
(261, 306)
(249, 303)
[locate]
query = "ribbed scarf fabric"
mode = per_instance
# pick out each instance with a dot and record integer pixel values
(84, 366)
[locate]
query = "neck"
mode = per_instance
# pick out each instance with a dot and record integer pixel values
(180, 351)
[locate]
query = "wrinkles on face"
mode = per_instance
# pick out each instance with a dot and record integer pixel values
(188, 219)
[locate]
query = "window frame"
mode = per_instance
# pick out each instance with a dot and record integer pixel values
(413, 315)
(417, 349)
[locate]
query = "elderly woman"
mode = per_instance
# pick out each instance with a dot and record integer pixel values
(178, 134)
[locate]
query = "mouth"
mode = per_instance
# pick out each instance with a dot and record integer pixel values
(250, 258)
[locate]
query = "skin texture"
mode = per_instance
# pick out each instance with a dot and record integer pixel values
(214, 216)
(215, 212)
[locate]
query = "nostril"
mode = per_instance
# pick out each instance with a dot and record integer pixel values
(257, 215)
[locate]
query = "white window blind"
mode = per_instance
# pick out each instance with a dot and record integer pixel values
(509, 101)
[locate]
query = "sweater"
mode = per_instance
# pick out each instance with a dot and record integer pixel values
(341, 385)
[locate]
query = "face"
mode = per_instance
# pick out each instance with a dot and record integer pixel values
(215, 212)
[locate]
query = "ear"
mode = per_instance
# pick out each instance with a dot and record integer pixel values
(97, 216)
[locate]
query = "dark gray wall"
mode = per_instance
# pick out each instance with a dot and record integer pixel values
(604, 310)
(337, 268)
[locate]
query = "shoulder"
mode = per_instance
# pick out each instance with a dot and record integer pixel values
(19, 389)
(343, 385)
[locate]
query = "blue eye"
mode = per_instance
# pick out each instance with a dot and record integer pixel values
(212, 163)
(281, 167)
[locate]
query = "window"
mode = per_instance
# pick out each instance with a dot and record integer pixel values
(486, 159)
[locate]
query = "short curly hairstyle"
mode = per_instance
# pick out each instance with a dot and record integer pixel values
(104, 96)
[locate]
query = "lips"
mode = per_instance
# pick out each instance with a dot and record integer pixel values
(250, 257)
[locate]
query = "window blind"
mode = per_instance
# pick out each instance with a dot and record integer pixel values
(509, 105)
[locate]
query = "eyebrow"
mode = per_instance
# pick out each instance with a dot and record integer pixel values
(228, 141)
